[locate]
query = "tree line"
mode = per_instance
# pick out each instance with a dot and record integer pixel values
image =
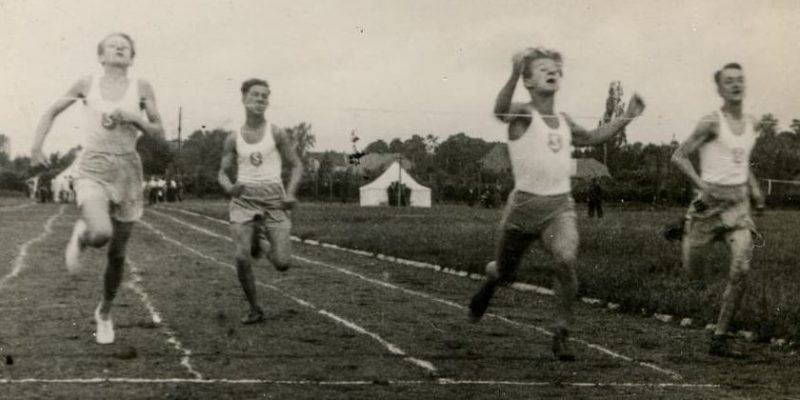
(452, 168)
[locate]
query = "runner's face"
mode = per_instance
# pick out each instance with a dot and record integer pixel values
(116, 51)
(257, 99)
(545, 75)
(731, 84)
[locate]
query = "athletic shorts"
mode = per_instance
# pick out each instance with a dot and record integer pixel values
(531, 214)
(710, 217)
(263, 203)
(116, 178)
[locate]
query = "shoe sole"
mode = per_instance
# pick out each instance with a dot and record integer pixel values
(97, 336)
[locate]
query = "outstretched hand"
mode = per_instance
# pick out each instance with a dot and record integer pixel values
(289, 202)
(123, 117)
(236, 190)
(519, 59)
(635, 106)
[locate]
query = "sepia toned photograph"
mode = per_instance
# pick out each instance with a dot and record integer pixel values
(399, 199)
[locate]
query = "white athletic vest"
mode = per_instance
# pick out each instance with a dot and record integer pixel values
(258, 162)
(542, 158)
(102, 133)
(726, 159)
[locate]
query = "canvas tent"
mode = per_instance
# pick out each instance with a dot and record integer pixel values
(375, 193)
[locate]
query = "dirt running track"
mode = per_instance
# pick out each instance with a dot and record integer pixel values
(340, 326)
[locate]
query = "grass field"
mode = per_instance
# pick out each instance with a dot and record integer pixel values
(623, 258)
(339, 326)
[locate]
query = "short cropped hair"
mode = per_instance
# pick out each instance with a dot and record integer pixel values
(732, 65)
(246, 85)
(535, 53)
(120, 34)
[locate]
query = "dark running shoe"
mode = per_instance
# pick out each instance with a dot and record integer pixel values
(674, 231)
(721, 348)
(253, 316)
(480, 302)
(561, 348)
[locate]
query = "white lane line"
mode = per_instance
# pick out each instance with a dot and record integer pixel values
(518, 286)
(16, 207)
(135, 284)
(539, 329)
(428, 366)
(432, 382)
(19, 261)
(192, 213)
(429, 297)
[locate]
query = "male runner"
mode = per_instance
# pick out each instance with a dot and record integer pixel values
(724, 140)
(260, 223)
(541, 206)
(108, 180)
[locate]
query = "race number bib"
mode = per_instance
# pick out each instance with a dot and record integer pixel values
(555, 142)
(256, 158)
(108, 121)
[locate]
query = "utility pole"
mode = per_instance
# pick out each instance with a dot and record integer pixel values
(399, 181)
(178, 158)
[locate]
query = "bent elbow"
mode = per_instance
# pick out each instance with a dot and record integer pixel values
(677, 158)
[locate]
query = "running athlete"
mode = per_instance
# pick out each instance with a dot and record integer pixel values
(541, 206)
(108, 181)
(724, 188)
(260, 223)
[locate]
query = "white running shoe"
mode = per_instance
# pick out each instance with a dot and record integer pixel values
(105, 328)
(72, 255)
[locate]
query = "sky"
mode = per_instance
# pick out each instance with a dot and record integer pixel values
(392, 69)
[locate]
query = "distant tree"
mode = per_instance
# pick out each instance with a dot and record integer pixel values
(459, 154)
(303, 139)
(5, 143)
(396, 146)
(200, 159)
(795, 126)
(431, 144)
(378, 146)
(415, 149)
(767, 125)
(155, 154)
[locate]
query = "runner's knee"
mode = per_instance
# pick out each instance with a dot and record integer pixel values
(565, 255)
(243, 255)
(97, 236)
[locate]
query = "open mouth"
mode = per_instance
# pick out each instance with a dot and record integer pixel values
(551, 81)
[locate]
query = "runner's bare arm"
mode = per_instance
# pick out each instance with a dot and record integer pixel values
(705, 131)
(583, 137)
(289, 155)
(755, 192)
(504, 109)
(74, 93)
(150, 125)
(228, 157)
(518, 126)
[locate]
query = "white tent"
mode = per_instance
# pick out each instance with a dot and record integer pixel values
(375, 193)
